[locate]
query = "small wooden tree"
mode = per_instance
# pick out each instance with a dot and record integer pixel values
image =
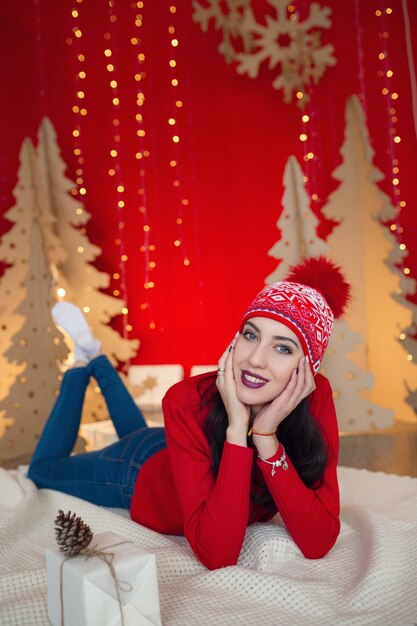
(297, 223)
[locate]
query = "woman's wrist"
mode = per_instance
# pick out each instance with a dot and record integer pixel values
(254, 431)
(237, 435)
(266, 446)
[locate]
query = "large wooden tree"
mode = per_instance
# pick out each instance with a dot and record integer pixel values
(12, 291)
(366, 250)
(299, 239)
(76, 274)
(36, 349)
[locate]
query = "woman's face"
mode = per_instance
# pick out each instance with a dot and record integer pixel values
(264, 356)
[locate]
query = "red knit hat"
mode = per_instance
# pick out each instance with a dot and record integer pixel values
(307, 301)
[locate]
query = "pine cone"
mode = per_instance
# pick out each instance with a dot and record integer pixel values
(72, 534)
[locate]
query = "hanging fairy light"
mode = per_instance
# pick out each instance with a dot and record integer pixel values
(361, 57)
(308, 140)
(390, 91)
(142, 154)
(114, 171)
(41, 61)
(308, 134)
(177, 111)
(79, 108)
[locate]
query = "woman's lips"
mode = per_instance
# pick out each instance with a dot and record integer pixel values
(251, 380)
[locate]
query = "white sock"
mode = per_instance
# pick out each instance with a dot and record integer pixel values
(71, 319)
(79, 354)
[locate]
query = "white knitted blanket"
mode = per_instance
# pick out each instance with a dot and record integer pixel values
(369, 578)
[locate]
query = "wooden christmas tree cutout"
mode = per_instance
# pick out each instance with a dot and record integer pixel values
(365, 249)
(297, 223)
(37, 348)
(298, 226)
(81, 281)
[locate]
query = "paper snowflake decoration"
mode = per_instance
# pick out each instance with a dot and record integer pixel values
(149, 383)
(227, 16)
(292, 47)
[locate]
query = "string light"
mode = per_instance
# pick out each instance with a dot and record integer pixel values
(306, 138)
(79, 109)
(142, 155)
(309, 137)
(115, 171)
(386, 73)
(177, 110)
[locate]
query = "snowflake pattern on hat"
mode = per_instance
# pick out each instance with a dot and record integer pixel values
(301, 308)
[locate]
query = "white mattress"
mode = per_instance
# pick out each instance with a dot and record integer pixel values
(369, 578)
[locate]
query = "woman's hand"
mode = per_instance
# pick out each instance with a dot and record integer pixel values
(237, 412)
(300, 385)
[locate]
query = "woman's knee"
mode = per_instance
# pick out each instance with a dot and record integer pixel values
(33, 473)
(38, 472)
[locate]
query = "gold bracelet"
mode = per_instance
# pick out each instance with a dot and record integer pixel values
(255, 432)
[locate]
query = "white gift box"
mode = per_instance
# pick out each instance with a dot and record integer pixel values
(86, 589)
(102, 433)
(151, 382)
(98, 434)
(196, 370)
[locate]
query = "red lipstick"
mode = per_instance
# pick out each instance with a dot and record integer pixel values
(251, 380)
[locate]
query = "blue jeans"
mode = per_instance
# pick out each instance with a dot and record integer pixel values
(105, 477)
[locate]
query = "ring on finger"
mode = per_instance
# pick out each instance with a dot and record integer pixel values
(220, 371)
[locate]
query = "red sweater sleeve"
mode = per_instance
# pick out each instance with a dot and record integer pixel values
(215, 511)
(311, 516)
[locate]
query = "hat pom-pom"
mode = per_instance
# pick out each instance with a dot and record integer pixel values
(327, 278)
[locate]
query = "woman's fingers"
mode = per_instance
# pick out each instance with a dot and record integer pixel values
(305, 381)
(237, 413)
(300, 385)
(222, 361)
(221, 365)
(310, 382)
(225, 361)
(225, 364)
(283, 404)
(229, 359)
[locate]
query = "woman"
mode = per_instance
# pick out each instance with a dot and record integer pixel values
(258, 436)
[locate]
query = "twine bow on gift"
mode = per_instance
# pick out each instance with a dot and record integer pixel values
(74, 536)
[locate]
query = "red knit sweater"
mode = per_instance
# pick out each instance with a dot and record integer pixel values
(176, 492)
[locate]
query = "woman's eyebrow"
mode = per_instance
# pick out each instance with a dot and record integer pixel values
(283, 338)
(278, 337)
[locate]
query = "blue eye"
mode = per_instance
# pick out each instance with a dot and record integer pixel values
(284, 349)
(249, 335)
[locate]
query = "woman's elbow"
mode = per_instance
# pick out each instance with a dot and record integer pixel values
(314, 553)
(317, 550)
(216, 559)
(219, 565)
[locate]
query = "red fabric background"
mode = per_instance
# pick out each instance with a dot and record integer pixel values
(236, 135)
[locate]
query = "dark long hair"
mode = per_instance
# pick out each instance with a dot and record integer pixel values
(299, 433)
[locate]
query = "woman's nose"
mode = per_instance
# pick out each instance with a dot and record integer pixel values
(257, 355)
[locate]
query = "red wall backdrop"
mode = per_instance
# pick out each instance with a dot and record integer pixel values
(221, 199)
